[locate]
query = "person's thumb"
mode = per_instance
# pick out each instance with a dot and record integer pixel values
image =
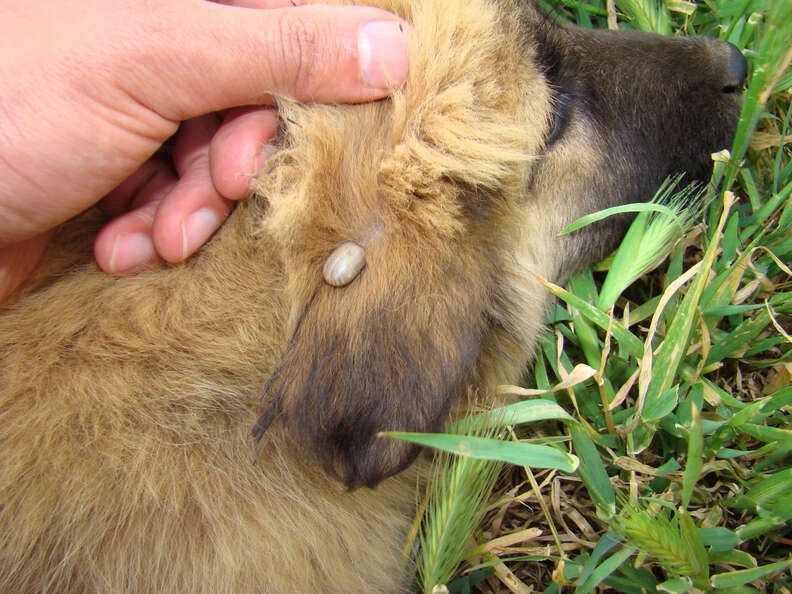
(222, 56)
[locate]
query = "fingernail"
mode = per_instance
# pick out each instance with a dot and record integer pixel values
(197, 228)
(131, 252)
(382, 50)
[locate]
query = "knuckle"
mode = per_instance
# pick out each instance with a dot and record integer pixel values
(300, 41)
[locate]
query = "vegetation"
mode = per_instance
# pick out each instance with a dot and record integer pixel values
(659, 455)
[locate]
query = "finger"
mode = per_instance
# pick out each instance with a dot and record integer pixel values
(193, 209)
(152, 179)
(124, 246)
(18, 260)
(313, 52)
(261, 3)
(238, 150)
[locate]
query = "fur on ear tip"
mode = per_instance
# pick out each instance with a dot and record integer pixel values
(379, 460)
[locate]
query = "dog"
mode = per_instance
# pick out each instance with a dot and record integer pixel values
(127, 404)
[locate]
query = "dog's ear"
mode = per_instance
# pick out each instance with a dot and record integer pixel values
(395, 346)
(427, 183)
(389, 351)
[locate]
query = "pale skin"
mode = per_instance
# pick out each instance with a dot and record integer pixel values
(91, 89)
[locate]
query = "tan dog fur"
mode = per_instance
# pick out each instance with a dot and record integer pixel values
(126, 404)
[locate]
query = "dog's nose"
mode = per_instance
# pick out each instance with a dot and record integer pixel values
(736, 68)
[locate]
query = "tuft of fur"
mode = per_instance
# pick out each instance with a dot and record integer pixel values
(126, 404)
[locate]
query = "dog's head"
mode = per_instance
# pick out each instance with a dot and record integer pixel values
(510, 127)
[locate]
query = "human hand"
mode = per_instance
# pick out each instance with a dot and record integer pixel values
(90, 89)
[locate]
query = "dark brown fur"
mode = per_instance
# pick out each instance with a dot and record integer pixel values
(126, 404)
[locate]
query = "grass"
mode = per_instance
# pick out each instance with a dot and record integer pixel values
(677, 386)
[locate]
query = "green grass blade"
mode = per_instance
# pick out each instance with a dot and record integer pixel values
(605, 544)
(694, 457)
(771, 490)
(521, 454)
(624, 337)
(674, 346)
(592, 472)
(526, 411)
(696, 550)
(647, 15)
(605, 569)
(733, 579)
(675, 586)
(645, 207)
